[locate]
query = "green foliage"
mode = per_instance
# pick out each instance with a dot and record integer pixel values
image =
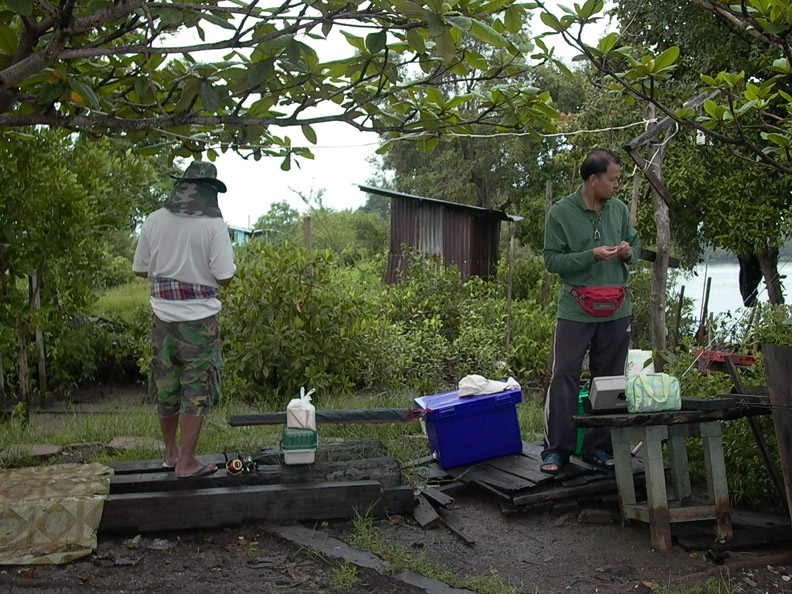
(60, 197)
(111, 71)
(285, 328)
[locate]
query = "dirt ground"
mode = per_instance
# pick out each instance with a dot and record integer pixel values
(553, 551)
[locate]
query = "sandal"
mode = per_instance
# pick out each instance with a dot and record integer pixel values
(600, 459)
(551, 459)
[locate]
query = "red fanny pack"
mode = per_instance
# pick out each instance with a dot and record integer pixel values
(599, 301)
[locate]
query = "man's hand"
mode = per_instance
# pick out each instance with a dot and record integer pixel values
(624, 251)
(605, 252)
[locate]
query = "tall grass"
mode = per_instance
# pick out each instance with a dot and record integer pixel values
(122, 301)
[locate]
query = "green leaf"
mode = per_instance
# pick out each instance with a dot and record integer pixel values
(409, 9)
(426, 144)
(286, 164)
(210, 98)
(416, 41)
(171, 16)
(487, 34)
(259, 72)
(552, 22)
(666, 59)
(85, 93)
(375, 42)
(8, 40)
(142, 84)
(446, 47)
(462, 23)
(436, 25)
(216, 20)
(512, 19)
(309, 134)
(712, 108)
(21, 7)
(354, 41)
(49, 93)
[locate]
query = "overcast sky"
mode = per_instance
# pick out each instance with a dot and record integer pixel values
(340, 164)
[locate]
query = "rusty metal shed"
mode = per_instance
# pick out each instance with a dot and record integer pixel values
(456, 234)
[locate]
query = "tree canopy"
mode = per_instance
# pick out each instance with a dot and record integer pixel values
(750, 107)
(207, 74)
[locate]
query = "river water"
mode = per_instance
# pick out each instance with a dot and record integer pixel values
(724, 291)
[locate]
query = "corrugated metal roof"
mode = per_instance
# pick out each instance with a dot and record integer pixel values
(392, 194)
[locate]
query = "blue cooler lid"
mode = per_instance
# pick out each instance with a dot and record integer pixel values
(451, 403)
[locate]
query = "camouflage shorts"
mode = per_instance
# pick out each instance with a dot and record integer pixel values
(185, 366)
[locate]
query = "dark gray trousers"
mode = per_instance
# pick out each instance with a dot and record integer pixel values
(607, 344)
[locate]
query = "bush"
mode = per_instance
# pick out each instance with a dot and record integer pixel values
(284, 326)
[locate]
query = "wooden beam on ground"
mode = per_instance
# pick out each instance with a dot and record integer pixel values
(384, 470)
(218, 507)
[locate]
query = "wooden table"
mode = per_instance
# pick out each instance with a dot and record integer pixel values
(652, 429)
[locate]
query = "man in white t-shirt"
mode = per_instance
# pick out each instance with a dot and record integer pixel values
(185, 251)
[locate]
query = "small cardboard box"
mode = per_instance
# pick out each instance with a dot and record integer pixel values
(471, 429)
(298, 446)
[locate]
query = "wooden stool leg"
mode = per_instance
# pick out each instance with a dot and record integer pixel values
(657, 496)
(717, 485)
(678, 459)
(622, 459)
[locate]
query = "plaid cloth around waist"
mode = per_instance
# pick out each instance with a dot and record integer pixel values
(169, 288)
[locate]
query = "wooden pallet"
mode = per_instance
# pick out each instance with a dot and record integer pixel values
(347, 478)
(518, 483)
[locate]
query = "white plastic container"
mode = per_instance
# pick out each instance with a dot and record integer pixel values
(300, 413)
(298, 446)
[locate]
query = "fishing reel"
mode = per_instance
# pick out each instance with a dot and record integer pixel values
(241, 464)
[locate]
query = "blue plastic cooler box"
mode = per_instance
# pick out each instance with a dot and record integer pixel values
(474, 428)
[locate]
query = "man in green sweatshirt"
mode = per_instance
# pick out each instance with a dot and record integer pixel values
(589, 240)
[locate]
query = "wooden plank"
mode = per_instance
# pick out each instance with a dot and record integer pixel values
(481, 473)
(398, 500)
(522, 467)
(778, 369)
(454, 527)
(606, 485)
(384, 470)
(424, 513)
(664, 418)
(325, 452)
(437, 497)
(213, 508)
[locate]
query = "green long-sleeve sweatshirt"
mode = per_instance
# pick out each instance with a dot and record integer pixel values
(569, 251)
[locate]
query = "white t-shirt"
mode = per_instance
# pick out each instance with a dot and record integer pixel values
(187, 249)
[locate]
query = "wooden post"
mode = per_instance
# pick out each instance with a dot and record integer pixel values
(681, 300)
(307, 232)
(778, 369)
(702, 330)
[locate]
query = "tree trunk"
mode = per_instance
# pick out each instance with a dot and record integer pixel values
(768, 261)
(35, 305)
(657, 300)
(22, 361)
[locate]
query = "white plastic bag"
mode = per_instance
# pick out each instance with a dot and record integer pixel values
(475, 385)
(300, 413)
